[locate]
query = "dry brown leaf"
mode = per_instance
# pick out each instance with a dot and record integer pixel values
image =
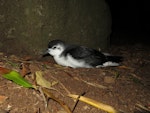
(109, 80)
(2, 99)
(40, 80)
(4, 70)
(50, 95)
(25, 69)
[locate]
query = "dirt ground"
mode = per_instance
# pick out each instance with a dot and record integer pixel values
(126, 88)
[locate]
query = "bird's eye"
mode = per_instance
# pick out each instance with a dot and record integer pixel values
(54, 47)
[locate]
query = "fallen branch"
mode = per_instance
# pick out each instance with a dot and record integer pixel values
(94, 103)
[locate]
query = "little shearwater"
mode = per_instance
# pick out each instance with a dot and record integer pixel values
(80, 56)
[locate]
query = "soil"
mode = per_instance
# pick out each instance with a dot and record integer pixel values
(126, 88)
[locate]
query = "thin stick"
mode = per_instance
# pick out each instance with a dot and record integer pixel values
(77, 101)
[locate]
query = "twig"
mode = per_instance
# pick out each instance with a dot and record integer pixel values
(44, 98)
(91, 84)
(135, 76)
(68, 92)
(51, 96)
(143, 107)
(77, 100)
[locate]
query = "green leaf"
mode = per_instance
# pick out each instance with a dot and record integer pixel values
(18, 79)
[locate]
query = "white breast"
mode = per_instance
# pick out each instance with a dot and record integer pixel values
(69, 61)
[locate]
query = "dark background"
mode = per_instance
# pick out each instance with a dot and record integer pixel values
(130, 21)
(26, 26)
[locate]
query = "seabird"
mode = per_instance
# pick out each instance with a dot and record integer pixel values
(76, 56)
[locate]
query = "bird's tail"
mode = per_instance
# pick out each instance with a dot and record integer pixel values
(116, 59)
(112, 60)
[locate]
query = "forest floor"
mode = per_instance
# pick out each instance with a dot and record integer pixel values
(126, 88)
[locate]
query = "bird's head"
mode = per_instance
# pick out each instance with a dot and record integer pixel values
(55, 47)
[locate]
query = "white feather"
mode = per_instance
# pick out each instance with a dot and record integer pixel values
(70, 62)
(106, 64)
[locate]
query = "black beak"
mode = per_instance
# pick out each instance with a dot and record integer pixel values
(45, 54)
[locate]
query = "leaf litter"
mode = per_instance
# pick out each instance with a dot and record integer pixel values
(54, 79)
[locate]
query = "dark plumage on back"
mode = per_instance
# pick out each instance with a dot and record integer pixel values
(90, 56)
